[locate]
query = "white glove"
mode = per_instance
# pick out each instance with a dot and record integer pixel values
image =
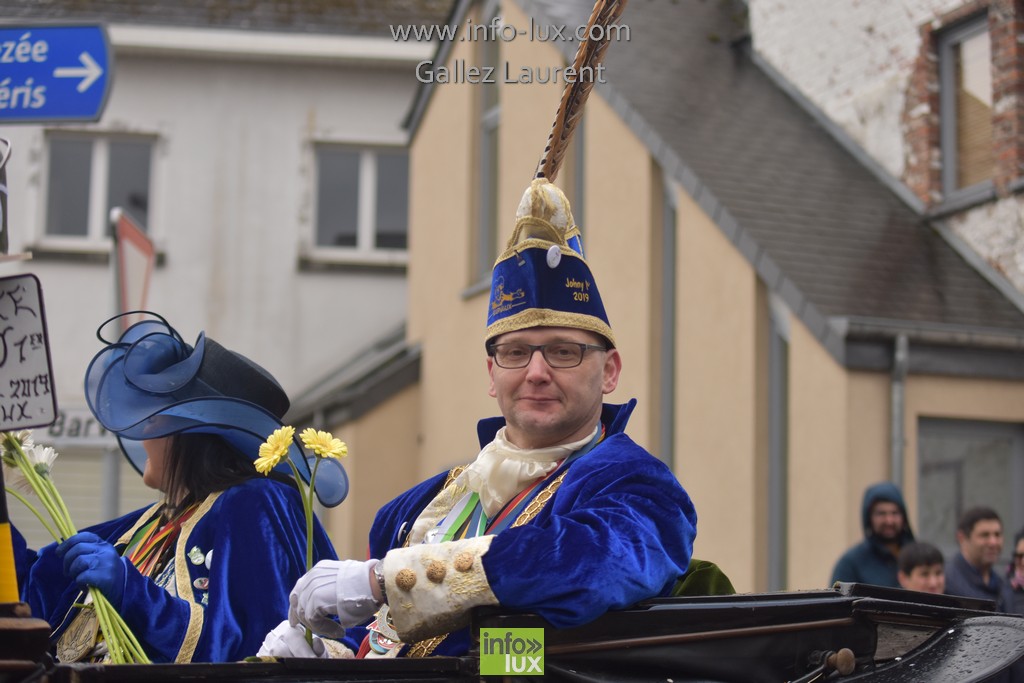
(290, 641)
(332, 587)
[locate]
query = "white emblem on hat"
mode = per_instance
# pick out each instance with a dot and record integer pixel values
(554, 256)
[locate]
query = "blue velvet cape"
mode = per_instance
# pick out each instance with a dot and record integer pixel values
(620, 529)
(257, 532)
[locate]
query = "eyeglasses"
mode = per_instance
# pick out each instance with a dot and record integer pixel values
(1018, 556)
(515, 355)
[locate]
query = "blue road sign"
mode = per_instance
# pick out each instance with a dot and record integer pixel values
(54, 72)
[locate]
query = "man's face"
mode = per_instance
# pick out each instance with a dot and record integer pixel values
(545, 406)
(886, 521)
(927, 578)
(982, 547)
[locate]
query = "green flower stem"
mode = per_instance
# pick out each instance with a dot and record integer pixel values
(66, 514)
(35, 512)
(63, 520)
(60, 518)
(112, 632)
(138, 653)
(309, 516)
(306, 494)
(122, 645)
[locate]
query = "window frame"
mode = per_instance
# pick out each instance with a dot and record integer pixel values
(365, 251)
(97, 237)
(947, 42)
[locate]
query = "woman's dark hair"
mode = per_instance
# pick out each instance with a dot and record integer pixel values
(200, 464)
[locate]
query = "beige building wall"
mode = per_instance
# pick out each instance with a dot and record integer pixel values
(819, 470)
(838, 420)
(443, 171)
(383, 446)
(617, 244)
(715, 392)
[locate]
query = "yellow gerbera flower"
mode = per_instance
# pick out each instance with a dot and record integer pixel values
(324, 444)
(274, 449)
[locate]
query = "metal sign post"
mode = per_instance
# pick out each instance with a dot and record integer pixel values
(133, 267)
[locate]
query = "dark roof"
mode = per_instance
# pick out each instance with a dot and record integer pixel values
(824, 228)
(342, 17)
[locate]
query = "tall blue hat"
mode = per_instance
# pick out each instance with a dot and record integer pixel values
(542, 279)
(151, 384)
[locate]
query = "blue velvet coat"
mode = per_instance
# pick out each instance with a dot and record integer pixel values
(620, 529)
(257, 533)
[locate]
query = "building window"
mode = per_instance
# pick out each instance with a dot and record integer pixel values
(88, 176)
(963, 463)
(965, 84)
(487, 178)
(362, 205)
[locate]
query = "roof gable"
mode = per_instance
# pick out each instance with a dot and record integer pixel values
(819, 225)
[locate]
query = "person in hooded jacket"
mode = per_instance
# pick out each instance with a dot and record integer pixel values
(886, 531)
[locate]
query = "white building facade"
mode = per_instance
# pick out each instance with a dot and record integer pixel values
(270, 170)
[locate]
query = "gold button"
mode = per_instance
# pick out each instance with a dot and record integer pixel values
(405, 579)
(436, 571)
(463, 562)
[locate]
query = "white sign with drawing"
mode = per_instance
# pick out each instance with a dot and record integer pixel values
(27, 395)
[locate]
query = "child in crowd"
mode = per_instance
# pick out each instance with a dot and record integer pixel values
(920, 568)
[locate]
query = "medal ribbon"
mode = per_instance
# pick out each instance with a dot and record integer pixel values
(151, 541)
(470, 520)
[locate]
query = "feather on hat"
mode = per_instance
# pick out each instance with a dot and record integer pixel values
(542, 278)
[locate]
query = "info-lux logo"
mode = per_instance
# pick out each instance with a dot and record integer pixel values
(511, 651)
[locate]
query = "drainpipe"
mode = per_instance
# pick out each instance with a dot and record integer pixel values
(898, 408)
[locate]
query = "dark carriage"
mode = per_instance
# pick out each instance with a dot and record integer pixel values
(851, 633)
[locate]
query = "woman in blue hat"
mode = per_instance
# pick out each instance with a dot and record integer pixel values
(203, 574)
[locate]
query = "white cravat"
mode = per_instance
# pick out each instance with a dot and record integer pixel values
(503, 469)
(500, 471)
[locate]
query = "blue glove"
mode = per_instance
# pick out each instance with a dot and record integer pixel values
(91, 561)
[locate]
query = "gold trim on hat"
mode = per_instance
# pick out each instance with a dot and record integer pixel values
(513, 247)
(545, 232)
(546, 317)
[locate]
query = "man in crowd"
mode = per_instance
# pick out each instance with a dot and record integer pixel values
(886, 531)
(971, 571)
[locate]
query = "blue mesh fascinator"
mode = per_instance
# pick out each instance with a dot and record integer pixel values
(151, 384)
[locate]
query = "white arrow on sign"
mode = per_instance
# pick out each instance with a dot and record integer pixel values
(88, 72)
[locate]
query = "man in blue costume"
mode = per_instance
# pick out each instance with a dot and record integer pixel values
(886, 530)
(561, 513)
